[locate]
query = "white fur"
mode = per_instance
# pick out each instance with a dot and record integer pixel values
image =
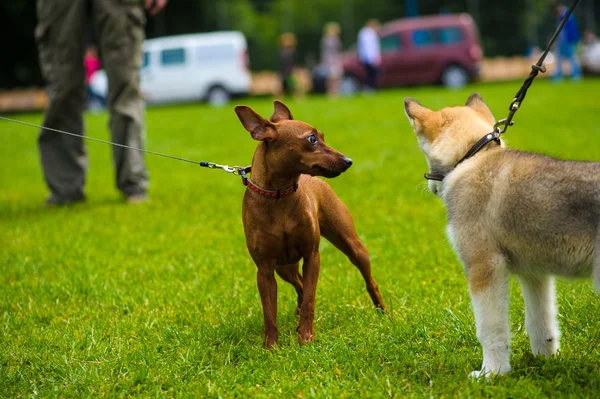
(541, 314)
(452, 239)
(491, 320)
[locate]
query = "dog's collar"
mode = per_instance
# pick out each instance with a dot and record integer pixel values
(267, 193)
(478, 146)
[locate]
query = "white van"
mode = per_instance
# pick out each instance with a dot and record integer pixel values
(202, 66)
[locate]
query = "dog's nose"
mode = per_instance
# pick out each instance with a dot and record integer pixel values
(348, 162)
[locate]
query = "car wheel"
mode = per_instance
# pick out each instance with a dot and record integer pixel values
(349, 85)
(455, 77)
(218, 96)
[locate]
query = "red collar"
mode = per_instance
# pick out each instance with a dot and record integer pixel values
(267, 193)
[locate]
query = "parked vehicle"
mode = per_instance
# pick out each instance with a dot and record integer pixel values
(590, 58)
(422, 50)
(211, 67)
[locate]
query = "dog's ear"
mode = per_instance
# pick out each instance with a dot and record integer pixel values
(260, 128)
(424, 121)
(281, 112)
(476, 102)
(415, 112)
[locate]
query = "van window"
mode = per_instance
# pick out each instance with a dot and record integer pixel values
(215, 52)
(390, 43)
(451, 35)
(172, 56)
(145, 59)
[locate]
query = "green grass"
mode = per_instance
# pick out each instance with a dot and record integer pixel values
(160, 299)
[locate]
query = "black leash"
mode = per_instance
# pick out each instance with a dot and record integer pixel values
(211, 165)
(503, 124)
(535, 70)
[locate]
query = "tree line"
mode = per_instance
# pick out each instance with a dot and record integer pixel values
(506, 28)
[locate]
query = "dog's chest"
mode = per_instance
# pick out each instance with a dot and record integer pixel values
(290, 251)
(282, 240)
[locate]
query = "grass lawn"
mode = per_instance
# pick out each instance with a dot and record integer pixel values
(160, 299)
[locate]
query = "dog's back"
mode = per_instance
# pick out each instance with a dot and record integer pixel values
(539, 211)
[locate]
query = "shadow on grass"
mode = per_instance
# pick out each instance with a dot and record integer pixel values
(14, 210)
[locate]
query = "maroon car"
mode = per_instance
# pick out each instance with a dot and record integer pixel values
(423, 50)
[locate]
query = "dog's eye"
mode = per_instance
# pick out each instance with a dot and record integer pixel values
(313, 139)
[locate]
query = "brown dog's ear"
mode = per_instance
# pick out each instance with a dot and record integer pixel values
(476, 102)
(281, 112)
(260, 128)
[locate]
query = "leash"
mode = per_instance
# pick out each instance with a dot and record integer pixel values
(235, 170)
(502, 125)
(210, 165)
(535, 70)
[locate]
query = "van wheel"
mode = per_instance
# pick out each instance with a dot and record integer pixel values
(218, 96)
(349, 86)
(455, 77)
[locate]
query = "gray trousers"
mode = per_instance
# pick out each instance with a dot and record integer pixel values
(61, 35)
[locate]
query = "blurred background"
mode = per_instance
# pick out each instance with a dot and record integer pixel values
(483, 40)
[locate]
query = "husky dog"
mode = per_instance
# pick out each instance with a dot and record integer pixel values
(513, 212)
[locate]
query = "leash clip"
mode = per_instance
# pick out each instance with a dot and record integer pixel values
(229, 169)
(242, 172)
(501, 126)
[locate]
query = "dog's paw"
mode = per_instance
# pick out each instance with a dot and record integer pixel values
(477, 374)
(305, 340)
(305, 337)
(487, 372)
(546, 348)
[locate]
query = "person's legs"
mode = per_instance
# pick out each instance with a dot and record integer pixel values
(371, 81)
(574, 61)
(334, 74)
(60, 35)
(285, 86)
(558, 72)
(119, 27)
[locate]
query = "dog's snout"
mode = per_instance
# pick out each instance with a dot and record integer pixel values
(348, 161)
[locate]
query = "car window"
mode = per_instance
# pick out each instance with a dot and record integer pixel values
(445, 36)
(424, 38)
(172, 56)
(145, 59)
(390, 43)
(451, 35)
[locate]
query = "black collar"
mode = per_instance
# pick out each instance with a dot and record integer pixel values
(485, 140)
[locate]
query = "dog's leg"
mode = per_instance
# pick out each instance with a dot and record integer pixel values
(291, 274)
(340, 231)
(267, 287)
(310, 275)
(355, 250)
(540, 314)
(488, 285)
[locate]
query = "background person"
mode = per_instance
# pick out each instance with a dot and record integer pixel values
(91, 62)
(287, 50)
(369, 51)
(331, 46)
(567, 44)
(61, 35)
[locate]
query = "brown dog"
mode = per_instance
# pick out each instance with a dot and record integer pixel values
(286, 210)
